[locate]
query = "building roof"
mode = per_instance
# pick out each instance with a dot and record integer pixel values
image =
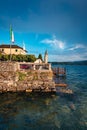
(12, 46)
(38, 61)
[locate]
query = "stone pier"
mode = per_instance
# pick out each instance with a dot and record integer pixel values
(29, 77)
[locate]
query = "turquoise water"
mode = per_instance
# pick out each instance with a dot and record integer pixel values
(48, 112)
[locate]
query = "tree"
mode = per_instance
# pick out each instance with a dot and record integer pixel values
(40, 57)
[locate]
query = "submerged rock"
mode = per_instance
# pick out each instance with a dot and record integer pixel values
(72, 106)
(66, 91)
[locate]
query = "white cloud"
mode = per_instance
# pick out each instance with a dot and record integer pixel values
(54, 42)
(78, 46)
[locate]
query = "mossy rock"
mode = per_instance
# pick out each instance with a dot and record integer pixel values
(21, 76)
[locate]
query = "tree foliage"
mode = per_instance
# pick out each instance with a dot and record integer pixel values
(40, 57)
(18, 58)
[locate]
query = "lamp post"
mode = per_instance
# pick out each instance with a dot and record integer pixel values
(10, 51)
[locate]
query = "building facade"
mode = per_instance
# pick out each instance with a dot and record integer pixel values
(12, 49)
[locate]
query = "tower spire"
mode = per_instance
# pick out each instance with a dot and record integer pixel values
(46, 57)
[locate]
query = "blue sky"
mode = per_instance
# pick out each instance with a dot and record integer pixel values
(59, 26)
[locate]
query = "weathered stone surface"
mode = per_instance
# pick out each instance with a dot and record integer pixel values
(4, 88)
(0, 87)
(28, 90)
(20, 88)
(61, 85)
(66, 91)
(28, 81)
(12, 89)
(8, 66)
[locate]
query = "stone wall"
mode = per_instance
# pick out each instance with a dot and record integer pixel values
(15, 79)
(15, 66)
(8, 66)
(26, 81)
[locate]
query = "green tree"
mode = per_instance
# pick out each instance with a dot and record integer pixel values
(40, 57)
(0, 56)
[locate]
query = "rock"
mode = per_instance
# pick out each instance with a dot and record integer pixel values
(66, 91)
(72, 106)
(61, 85)
(28, 90)
(4, 88)
(0, 87)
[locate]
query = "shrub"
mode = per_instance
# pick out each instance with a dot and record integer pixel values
(19, 58)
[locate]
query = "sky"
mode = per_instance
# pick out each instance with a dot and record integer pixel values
(58, 26)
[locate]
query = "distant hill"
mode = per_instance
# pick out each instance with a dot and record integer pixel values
(71, 63)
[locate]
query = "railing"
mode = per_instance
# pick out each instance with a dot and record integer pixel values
(34, 66)
(59, 71)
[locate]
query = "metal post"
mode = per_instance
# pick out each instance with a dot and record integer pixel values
(10, 52)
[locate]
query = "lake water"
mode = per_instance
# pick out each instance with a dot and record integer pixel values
(48, 112)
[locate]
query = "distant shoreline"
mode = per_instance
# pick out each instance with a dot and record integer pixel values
(70, 63)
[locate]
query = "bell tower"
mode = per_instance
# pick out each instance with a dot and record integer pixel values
(46, 57)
